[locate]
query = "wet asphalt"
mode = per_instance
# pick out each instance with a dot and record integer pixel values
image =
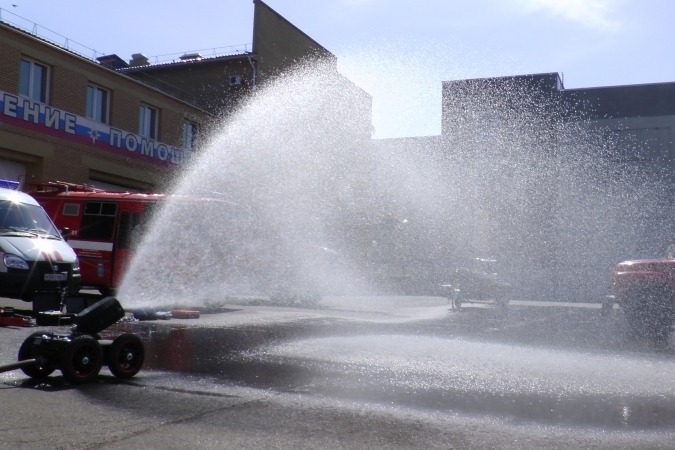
(369, 372)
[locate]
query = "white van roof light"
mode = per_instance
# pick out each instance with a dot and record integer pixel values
(9, 184)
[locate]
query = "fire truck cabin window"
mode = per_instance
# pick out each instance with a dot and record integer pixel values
(98, 221)
(71, 209)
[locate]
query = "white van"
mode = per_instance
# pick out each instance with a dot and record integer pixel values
(35, 260)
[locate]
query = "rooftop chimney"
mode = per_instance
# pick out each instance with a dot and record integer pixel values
(112, 62)
(189, 56)
(138, 59)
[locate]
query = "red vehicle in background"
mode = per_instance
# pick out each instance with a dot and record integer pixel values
(105, 229)
(102, 227)
(645, 290)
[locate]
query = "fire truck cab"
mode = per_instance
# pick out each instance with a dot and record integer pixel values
(102, 227)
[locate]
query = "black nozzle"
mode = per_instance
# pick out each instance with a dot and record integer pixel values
(99, 316)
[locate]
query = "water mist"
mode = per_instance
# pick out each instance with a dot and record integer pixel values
(292, 197)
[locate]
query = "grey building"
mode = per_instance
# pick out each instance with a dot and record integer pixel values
(565, 182)
(639, 118)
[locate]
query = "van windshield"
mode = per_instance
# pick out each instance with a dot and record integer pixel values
(22, 217)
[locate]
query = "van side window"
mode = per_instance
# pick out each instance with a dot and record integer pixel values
(98, 221)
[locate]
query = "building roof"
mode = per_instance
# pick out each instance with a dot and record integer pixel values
(186, 61)
(109, 58)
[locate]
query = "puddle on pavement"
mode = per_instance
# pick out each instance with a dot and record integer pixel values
(249, 356)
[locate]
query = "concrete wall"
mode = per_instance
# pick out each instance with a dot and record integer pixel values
(278, 44)
(605, 194)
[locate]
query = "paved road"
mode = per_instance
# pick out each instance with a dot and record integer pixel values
(371, 372)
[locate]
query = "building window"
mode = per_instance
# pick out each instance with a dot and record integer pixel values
(33, 80)
(147, 122)
(189, 135)
(97, 104)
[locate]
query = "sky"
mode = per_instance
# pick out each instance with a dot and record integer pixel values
(398, 51)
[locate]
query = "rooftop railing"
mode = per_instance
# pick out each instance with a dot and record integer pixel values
(84, 51)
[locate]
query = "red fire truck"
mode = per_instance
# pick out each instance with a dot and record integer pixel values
(100, 226)
(104, 229)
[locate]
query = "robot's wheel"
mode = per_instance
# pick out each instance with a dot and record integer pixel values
(81, 360)
(125, 355)
(27, 351)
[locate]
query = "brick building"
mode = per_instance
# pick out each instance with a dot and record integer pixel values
(218, 83)
(65, 117)
(130, 125)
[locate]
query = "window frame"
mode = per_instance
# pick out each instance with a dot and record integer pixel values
(27, 87)
(148, 120)
(190, 133)
(98, 220)
(94, 111)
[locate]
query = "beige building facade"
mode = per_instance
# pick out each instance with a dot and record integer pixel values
(65, 117)
(132, 124)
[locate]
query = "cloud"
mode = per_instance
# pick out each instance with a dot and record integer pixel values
(594, 14)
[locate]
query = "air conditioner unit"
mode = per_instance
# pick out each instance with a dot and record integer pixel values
(235, 80)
